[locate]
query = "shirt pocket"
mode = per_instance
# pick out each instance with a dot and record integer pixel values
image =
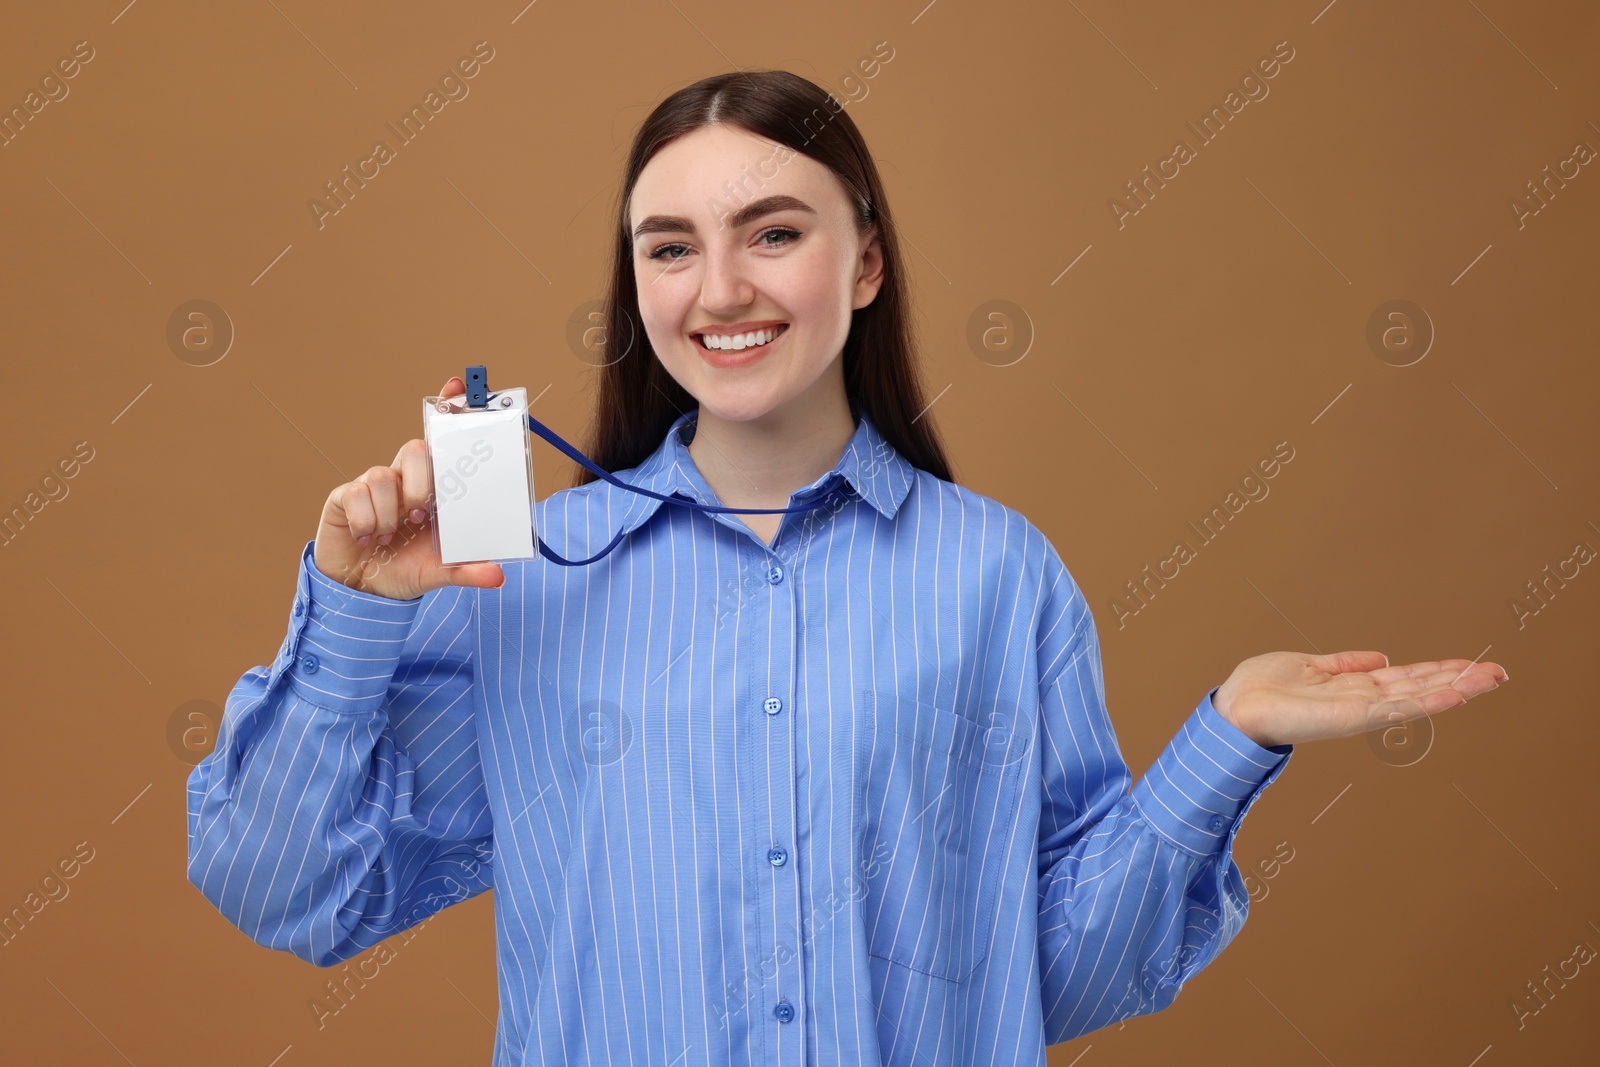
(939, 800)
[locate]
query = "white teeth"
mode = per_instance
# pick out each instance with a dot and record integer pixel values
(739, 341)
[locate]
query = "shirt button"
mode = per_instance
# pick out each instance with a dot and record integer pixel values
(308, 664)
(773, 705)
(784, 1011)
(1217, 822)
(299, 608)
(777, 857)
(775, 574)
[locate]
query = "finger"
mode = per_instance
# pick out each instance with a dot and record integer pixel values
(1420, 682)
(1475, 683)
(1416, 706)
(1413, 670)
(412, 463)
(1491, 670)
(356, 503)
(384, 485)
(1479, 679)
(1393, 712)
(1431, 701)
(453, 387)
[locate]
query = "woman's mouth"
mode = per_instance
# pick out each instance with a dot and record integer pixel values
(733, 350)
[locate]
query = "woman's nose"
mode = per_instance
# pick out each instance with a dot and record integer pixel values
(724, 284)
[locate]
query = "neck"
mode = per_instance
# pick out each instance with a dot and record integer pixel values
(759, 463)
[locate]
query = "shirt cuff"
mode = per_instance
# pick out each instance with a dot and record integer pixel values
(1200, 787)
(344, 645)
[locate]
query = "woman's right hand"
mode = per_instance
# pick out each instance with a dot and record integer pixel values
(374, 535)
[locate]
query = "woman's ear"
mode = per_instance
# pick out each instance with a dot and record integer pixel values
(869, 278)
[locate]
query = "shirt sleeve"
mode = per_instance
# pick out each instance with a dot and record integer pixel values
(1138, 890)
(344, 800)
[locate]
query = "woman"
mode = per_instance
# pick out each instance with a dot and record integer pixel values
(834, 786)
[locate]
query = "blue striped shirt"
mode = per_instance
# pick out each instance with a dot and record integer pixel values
(850, 797)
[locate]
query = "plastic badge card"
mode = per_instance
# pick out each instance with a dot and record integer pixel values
(482, 475)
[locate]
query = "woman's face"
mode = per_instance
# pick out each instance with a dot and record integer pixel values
(735, 234)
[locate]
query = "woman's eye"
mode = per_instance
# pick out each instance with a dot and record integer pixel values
(660, 253)
(777, 230)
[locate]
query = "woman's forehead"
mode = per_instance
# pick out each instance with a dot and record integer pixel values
(701, 174)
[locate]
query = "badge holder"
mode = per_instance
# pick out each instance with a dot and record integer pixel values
(481, 464)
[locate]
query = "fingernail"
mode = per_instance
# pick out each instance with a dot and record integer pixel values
(418, 516)
(363, 539)
(385, 539)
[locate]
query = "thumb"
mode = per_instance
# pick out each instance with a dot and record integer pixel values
(474, 575)
(1346, 662)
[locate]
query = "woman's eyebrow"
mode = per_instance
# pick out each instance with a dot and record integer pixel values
(750, 212)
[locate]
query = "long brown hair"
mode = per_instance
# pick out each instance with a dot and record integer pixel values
(638, 400)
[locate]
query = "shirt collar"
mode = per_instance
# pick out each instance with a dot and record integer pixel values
(870, 465)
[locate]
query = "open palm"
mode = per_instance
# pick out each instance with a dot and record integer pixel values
(1288, 697)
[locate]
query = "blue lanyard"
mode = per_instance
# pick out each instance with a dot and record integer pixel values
(555, 439)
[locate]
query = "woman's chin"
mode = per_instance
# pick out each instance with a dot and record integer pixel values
(736, 406)
(733, 414)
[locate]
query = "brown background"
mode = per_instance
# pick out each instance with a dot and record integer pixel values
(1228, 315)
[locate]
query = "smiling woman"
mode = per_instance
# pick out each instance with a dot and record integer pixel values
(815, 258)
(840, 788)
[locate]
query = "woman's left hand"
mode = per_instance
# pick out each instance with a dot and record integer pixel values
(1287, 697)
